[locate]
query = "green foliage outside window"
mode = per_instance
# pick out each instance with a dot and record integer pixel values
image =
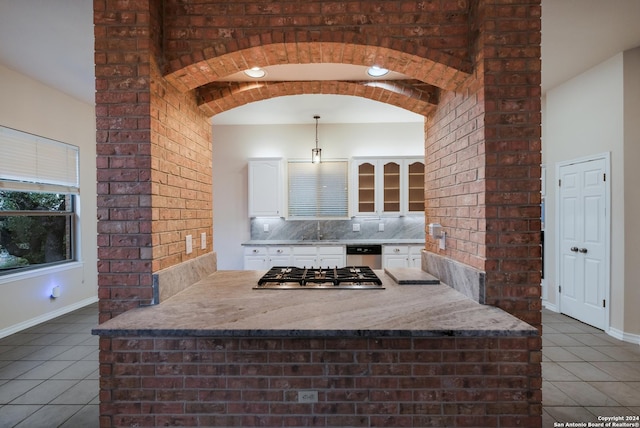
(35, 229)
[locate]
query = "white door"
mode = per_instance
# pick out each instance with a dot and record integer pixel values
(583, 249)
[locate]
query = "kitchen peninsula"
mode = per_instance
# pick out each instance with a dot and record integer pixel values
(222, 354)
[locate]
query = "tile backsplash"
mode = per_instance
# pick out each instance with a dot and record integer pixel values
(408, 227)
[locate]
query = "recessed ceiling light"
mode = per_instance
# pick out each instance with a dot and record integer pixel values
(255, 72)
(377, 71)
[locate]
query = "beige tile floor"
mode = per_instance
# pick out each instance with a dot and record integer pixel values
(49, 373)
(586, 373)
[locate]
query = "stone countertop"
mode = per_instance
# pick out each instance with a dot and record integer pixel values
(293, 242)
(225, 304)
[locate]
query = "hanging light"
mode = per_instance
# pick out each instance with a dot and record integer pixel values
(316, 154)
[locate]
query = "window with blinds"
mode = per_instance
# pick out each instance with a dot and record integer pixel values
(38, 187)
(318, 190)
(33, 163)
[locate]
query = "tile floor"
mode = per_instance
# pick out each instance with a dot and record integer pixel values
(586, 373)
(49, 373)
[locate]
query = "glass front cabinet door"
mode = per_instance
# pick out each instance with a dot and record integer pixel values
(391, 187)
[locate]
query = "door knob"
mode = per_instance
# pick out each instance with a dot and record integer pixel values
(583, 250)
(574, 249)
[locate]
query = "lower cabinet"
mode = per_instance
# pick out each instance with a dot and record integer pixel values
(319, 256)
(401, 256)
(304, 256)
(267, 256)
(333, 256)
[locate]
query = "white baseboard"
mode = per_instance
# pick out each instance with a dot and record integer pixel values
(46, 317)
(626, 337)
(550, 306)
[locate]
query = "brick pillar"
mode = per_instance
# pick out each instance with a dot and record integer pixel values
(483, 157)
(509, 60)
(154, 158)
(123, 57)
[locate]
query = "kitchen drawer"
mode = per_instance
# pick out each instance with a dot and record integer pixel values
(395, 249)
(332, 250)
(278, 250)
(305, 250)
(255, 251)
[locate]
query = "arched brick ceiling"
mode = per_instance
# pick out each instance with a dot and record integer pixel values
(214, 63)
(204, 72)
(414, 96)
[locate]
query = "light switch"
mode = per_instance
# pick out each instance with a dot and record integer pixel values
(189, 243)
(265, 227)
(356, 227)
(380, 227)
(203, 240)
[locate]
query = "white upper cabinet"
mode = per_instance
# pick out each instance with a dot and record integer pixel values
(387, 186)
(266, 188)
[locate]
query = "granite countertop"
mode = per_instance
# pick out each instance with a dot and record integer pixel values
(388, 241)
(225, 304)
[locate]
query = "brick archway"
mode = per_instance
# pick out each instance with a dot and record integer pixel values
(219, 97)
(204, 66)
(419, 93)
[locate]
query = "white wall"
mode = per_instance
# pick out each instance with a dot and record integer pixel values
(632, 189)
(30, 106)
(582, 117)
(234, 144)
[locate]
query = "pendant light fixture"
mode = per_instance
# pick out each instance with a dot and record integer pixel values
(316, 154)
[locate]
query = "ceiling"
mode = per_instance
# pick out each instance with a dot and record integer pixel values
(52, 41)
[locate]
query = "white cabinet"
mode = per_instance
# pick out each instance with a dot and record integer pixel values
(255, 258)
(395, 256)
(262, 257)
(332, 256)
(319, 256)
(304, 256)
(415, 256)
(387, 186)
(402, 256)
(279, 256)
(265, 257)
(266, 187)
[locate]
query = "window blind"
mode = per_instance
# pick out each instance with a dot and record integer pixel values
(32, 163)
(318, 190)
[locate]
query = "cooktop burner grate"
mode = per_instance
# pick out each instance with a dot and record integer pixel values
(351, 277)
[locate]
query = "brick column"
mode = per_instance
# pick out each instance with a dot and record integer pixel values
(154, 158)
(510, 60)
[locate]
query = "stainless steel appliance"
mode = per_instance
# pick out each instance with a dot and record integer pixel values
(350, 277)
(365, 255)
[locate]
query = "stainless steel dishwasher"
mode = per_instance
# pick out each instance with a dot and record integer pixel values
(365, 255)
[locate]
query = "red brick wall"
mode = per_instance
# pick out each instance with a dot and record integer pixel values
(153, 158)
(483, 157)
(399, 382)
(181, 175)
(154, 180)
(483, 142)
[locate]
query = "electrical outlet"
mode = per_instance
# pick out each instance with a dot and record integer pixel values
(380, 227)
(356, 227)
(189, 242)
(307, 396)
(203, 240)
(265, 227)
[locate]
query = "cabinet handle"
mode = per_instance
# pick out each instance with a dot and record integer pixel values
(255, 251)
(574, 249)
(583, 250)
(397, 250)
(280, 251)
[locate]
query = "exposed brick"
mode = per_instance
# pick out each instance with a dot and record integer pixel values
(136, 385)
(481, 61)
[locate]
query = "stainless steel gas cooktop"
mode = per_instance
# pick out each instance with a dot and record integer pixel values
(294, 278)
